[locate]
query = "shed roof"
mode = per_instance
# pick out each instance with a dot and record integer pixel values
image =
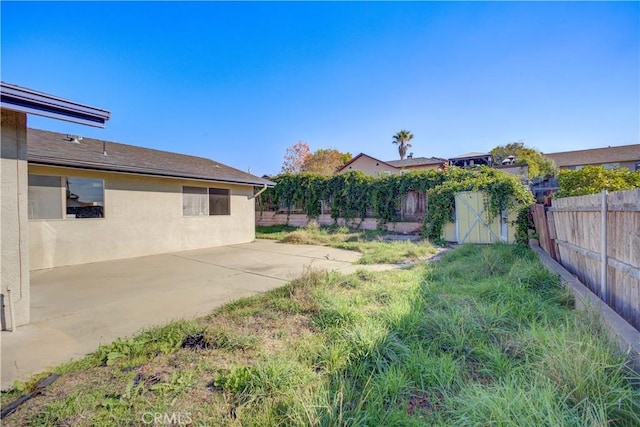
(52, 148)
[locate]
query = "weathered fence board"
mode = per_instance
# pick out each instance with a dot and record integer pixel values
(543, 229)
(577, 225)
(413, 206)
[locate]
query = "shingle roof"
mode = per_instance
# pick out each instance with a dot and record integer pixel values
(416, 161)
(595, 156)
(52, 148)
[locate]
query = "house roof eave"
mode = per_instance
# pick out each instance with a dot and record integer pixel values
(25, 100)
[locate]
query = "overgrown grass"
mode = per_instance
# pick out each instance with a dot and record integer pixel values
(370, 243)
(486, 336)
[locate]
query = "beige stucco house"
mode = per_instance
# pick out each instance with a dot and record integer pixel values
(374, 167)
(16, 103)
(624, 156)
(91, 200)
(70, 200)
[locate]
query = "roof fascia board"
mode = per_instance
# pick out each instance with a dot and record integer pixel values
(26, 100)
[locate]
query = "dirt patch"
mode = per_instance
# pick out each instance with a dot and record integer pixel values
(196, 342)
(425, 403)
(440, 251)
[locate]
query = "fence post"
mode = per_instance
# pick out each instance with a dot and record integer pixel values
(603, 247)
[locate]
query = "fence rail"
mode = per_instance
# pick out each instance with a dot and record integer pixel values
(597, 238)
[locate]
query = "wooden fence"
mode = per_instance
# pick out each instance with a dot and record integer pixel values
(597, 238)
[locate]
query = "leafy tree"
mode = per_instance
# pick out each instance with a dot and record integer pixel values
(594, 179)
(325, 161)
(295, 157)
(538, 165)
(402, 139)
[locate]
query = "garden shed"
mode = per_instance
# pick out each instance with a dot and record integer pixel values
(474, 225)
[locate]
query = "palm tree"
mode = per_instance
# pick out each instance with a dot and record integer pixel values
(402, 138)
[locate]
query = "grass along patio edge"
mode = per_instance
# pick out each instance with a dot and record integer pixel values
(484, 336)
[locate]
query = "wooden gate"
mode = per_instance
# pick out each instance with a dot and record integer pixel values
(472, 223)
(413, 206)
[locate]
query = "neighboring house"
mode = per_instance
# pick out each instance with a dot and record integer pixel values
(16, 103)
(471, 159)
(91, 200)
(521, 171)
(624, 156)
(374, 167)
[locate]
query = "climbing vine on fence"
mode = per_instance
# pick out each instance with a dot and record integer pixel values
(501, 191)
(354, 194)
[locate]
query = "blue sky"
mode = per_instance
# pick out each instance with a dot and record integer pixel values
(241, 82)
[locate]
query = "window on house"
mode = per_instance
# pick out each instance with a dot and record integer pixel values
(194, 201)
(200, 201)
(84, 197)
(45, 197)
(611, 165)
(219, 201)
(56, 197)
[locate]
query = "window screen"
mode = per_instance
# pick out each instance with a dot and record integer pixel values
(219, 201)
(45, 197)
(194, 201)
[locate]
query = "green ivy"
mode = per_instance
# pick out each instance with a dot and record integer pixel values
(594, 179)
(356, 195)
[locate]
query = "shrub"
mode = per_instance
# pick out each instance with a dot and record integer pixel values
(594, 179)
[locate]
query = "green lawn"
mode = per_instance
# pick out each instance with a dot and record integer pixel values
(370, 243)
(485, 336)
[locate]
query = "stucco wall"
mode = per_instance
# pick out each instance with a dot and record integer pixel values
(143, 216)
(371, 167)
(14, 261)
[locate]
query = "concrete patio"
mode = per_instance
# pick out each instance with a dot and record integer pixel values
(74, 309)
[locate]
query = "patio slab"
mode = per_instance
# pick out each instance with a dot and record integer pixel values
(76, 308)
